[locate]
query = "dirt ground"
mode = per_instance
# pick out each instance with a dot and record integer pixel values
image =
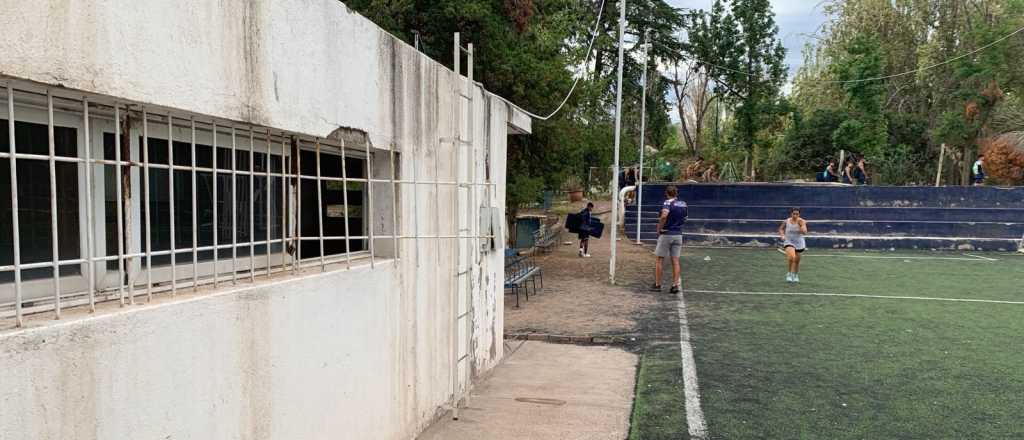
(577, 299)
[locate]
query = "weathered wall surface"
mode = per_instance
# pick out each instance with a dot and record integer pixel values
(278, 360)
(308, 66)
(360, 354)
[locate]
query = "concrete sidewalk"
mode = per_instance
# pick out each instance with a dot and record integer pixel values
(549, 391)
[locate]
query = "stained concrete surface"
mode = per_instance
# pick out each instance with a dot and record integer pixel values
(564, 392)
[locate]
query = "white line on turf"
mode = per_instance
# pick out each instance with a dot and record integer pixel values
(856, 295)
(896, 257)
(979, 256)
(694, 415)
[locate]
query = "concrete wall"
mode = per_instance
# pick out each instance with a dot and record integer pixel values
(360, 354)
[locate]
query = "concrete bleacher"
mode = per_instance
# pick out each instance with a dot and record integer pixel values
(840, 216)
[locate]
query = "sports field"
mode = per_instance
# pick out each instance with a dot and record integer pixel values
(871, 345)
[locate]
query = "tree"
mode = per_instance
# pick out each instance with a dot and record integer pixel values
(740, 51)
(866, 131)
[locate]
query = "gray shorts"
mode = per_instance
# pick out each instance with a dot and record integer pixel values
(669, 246)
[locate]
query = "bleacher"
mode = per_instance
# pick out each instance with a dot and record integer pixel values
(866, 217)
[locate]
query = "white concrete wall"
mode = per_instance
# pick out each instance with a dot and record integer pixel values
(360, 354)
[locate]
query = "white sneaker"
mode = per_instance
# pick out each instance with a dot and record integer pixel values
(789, 277)
(586, 255)
(796, 278)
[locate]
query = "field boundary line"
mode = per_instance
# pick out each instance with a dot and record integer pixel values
(694, 415)
(856, 295)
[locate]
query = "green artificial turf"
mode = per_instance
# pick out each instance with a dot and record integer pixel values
(658, 412)
(810, 367)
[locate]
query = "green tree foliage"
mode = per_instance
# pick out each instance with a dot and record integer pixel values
(740, 50)
(529, 51)
(951, 96)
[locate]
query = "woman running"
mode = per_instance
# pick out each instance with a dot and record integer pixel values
(792, 232)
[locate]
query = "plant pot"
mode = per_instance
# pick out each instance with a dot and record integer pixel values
(575, 196)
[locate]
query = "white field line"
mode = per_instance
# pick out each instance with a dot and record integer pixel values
(694, 415)
(979, 256)
(894, 257)
(857, 295)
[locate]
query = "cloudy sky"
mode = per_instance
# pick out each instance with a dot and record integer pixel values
(796, 20)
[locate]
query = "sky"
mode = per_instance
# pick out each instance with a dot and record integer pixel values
(796, 19)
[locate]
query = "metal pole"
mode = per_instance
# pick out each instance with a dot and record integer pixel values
(120, 208)
(643, 128)
(942, 156)
(14, 206)
(618, 142)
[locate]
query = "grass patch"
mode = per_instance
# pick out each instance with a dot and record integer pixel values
(659, 407)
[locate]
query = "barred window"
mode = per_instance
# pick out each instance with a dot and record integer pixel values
(165, 201)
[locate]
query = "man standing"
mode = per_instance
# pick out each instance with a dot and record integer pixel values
(978, 171)
(670, 238)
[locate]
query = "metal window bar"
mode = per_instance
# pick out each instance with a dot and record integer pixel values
(344, 201)
(266, 166)
(170, 174)
(284, 207)
(216, 224)
(320, 209)
(252, 208)
(119, 177)
(90, 280)
(368, 213)
(394, 207)
(146, 196)
(14, 207)
(195, 216)
(234, 211)
(53, 202)
(298, 202)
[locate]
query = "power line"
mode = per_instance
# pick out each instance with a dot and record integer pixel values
(876, 78)
(579, 76)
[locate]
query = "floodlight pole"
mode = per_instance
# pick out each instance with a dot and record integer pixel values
(618, 141)
(643, 128)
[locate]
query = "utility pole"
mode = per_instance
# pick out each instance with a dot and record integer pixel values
(643, 128)
(618, 143)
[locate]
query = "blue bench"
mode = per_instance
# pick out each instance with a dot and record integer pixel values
(520, 273)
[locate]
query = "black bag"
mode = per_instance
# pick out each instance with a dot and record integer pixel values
(572, 223)
(595, 228)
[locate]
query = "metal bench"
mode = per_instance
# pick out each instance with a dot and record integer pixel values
(520, 273)
(547, 237)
